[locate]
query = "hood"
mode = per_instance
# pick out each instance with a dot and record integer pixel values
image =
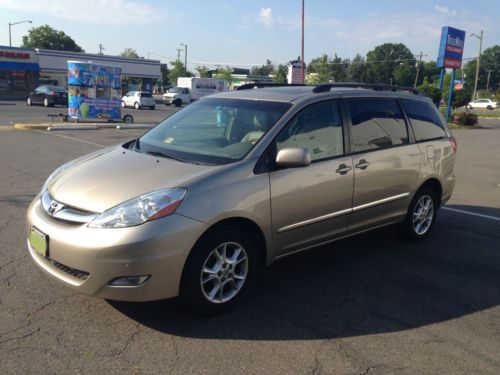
(112, 176)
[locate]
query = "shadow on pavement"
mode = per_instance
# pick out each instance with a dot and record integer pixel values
(373, 283)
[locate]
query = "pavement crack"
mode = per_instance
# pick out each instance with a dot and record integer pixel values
(21, 337)
(129, 340)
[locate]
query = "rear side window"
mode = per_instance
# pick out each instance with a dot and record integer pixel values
(376, 124)
(425, 122)
(146, 95)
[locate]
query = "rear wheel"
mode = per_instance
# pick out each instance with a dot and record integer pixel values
(136, 105)
(489, 107)
(28, 101)
(421, 215)
(152, 107)
(45, 102)
(219, 271)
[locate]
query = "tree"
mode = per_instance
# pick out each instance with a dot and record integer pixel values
(429, 71)
(264, 70)
(225, 73)
(177, 70)
(165, 74)
(430, 90)
(381, 63)
(203, 71)
(490, 60)
(357, 69)
(130, 53)
(320, 69)
(48, 38)
(280, 74)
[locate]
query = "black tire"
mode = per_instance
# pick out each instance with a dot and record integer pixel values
(167, 104)
(28, 101)
(408, 227)
(490, 108)
(177, 102)
(152, 107)
(191, 293)
(129, 119)
(137, 106)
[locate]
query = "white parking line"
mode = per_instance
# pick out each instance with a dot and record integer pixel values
(65, 136)
(472, 213)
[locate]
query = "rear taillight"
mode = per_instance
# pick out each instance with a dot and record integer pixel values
(453, 143)
(52, 93)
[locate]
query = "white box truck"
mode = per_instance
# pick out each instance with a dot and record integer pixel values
(193, 88)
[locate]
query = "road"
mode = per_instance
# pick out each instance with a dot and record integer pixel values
(367, 305)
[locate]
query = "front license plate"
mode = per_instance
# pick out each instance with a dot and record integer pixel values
(38, 241)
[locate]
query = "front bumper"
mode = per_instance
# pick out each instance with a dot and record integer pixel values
(158, 248)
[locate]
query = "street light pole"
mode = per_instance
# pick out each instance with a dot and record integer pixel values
(302, 48)
(12, 24)
(185, 56)
(474, 95)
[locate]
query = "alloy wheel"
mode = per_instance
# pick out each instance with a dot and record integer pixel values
(224, 272)
(423, 214)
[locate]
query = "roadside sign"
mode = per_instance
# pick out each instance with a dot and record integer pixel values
(451, 48)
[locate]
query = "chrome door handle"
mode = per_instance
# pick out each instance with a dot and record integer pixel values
(363, 164)
(343, 169)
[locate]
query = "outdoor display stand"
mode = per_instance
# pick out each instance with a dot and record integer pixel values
(94, 91)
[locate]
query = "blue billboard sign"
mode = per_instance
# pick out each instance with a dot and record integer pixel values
(94, 91)
(451, 48)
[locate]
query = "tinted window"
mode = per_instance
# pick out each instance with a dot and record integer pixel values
(317, 128)
(424, 120)
(146, 95)
(376, 124)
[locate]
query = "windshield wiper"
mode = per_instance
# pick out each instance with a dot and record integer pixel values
(159, 153)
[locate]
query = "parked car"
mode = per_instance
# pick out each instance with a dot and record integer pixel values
(236, 181)
(48, 96)
(138, 99)
(483, 104)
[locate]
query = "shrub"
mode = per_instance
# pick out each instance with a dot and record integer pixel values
(465, 118)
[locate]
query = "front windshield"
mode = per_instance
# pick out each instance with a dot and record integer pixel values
(213, 130)
(176, 90)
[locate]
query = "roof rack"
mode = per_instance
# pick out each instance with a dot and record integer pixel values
(258, 85)
(374, 86)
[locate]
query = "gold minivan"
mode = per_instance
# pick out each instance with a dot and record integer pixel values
(236, 181)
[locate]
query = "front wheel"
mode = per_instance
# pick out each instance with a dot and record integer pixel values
(45, 102)
(219, 271)
(28, 101)
(122, 104)
(152, 107)
(490, 108)
(177, 102)
(421, 215)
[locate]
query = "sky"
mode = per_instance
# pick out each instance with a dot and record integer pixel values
(244, 33)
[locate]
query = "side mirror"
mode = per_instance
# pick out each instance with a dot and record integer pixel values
(293, 158)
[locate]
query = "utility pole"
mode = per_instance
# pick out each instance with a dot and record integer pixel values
(474, 95)
(302, 48)
(488, 80)
(101, 48)
(179, 53)
(418, 68)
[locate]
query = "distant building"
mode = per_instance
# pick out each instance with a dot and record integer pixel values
(23, 69)
(294, 75)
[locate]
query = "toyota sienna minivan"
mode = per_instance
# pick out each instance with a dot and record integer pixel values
(236, 181)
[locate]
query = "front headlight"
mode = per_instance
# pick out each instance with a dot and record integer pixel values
(137, 211)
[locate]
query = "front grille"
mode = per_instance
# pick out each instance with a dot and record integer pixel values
(65, 213)
(82, 275)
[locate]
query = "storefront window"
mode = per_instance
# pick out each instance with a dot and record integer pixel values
(18, 80)
(5, 80)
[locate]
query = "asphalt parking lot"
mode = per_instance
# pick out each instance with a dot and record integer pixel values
(16, 111)
(368, 305)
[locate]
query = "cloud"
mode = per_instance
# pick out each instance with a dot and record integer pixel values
(444, 10)
(111, 12)
(266, 17)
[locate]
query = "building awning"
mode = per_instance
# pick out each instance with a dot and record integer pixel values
(28, 67)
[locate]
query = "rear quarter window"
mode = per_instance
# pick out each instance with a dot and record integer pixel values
(424, 120)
